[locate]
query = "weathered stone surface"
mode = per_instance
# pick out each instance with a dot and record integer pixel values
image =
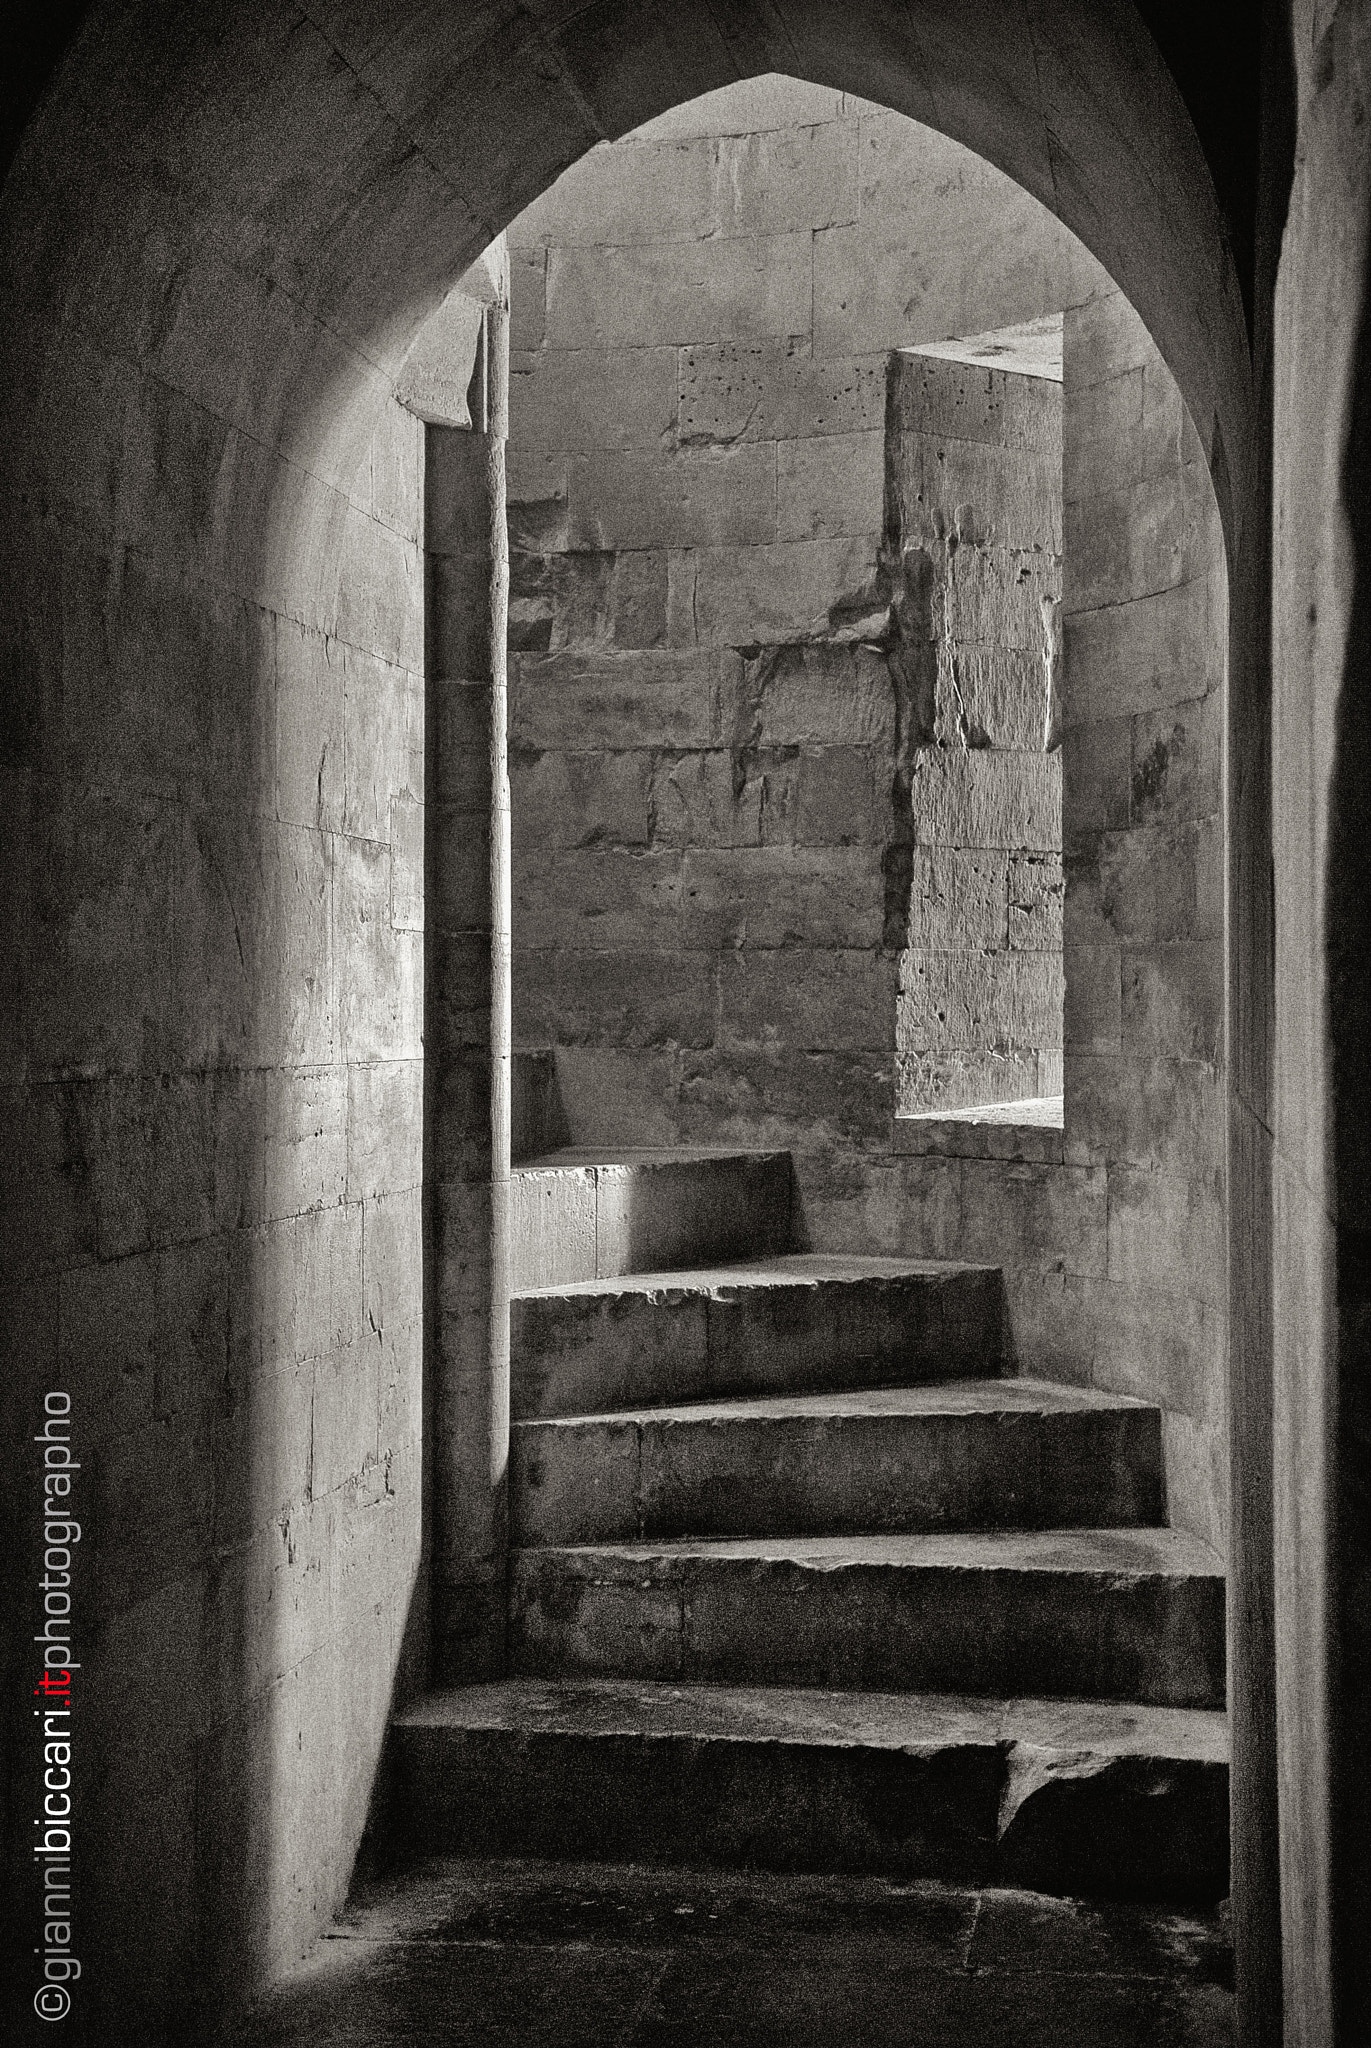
(777, 391)
(719, 497)
(614, 998)
(1105, 1801)
(979, 1455)
(730, 289)
(1124, 1613)
(836, 1000)
(573, 400)
(829, 484)
(588, 699)
(797, 1322)
(580, 799)
(987, 797)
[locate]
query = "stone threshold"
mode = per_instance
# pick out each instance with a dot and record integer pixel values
(1030, 1130)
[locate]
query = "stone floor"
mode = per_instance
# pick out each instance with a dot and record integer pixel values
(553, 1955)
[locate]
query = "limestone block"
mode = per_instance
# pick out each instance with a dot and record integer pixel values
(695, 801)
(763, 103)
(344, 1417)
(844, 797)
(627, 1098)
(1159, 1113)
(460, 1016)
(964, 1078)
(831, 1001)
(1167, 1232)
(999, 1001)
(626, 999)
(586, 399)
(677, 294)
(384, 1128)
(811, 694)
(1157, 651)
(1165, 1346)
(902, 1208)
(309, 727)
(1177, 761)
(871, 289)
(305, 1128)
(380, 994)
(780, 895)
(1103, 335)
(1092, 1010)
(830, 485)
(455, 510)
(1125, 542)
(638, 594)
(587, 900)
(459, 617)
(406, 837)
(958, 899)
(1144, 885)
(435, 378)
(527, 298)
(1173, 999)
(552, 1226)
(783, 181)
(378, 601)
(557, 599)
(1097, 767)
(580, 799)
(985, 494)
(651, 192)
(397, 472)
(946, 401)
(256, 945)
(1046, 1218)
(536, 500)
(733, 391)
(795, 590)
(461, 720)
(988, 601)
(986, 796)
(724, 497)
(375, 743)
(1035, 902)
(307, 1284)
(588, 698)
(1102, 435)
(787, 1098)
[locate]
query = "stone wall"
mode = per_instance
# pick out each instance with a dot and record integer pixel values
(973, 541)
(1145, 614)
(712, 855)
(212, 1236)
(714, 712)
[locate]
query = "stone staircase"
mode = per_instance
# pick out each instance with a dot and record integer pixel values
(803, 1578)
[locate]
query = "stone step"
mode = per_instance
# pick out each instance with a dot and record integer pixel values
(803, 1322)
(1131, 1614)
(1065, 1796)
(969, 1454)
(578, 1214)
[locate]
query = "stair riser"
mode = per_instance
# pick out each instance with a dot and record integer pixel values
(615, 1478)
(597, 1222)
(1139, 1827)
(997, 1632)
(576, 1354)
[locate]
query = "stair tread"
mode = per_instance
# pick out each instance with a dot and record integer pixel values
(817, 1717)
(1114, 1553)
(571, 1156)
(789, 1268)
(940, 1397)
